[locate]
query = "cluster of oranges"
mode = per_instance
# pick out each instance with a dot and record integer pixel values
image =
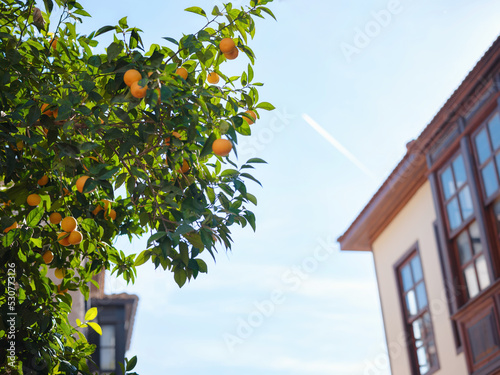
(49, 112)
(108, 213)
(228, 48)
(69, 235)
(131, 79)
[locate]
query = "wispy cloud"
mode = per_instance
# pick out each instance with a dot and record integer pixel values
(328, 137)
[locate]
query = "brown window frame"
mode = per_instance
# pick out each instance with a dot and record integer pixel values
(409, 320)
(492, 158)
(465, 221)
(488, 203)
(453, 234)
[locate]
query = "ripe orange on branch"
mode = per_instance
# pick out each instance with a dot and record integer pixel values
(48, 256)
(61, 291)
(167, 140)
(13, 226)
(59, 273)
(75, 237)
(68, 224)
(43, 180)
(63, 241)
(251, 114)
(49, 112)
(182, 72)
(112, 214)
(80, 184)
(213, 78)
(232, 55)
(185, 167)
(222, 147)
(227, 45)
(138, 91)
(33, 200)
(55, 217)
(131, 76)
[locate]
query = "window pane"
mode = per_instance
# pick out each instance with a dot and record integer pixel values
(490, 179)
(423, 362)
(108, 335)
(459, 170)
(107, 359)
(406, 277)
(464, 250)
(416, 267)
(431, 349)
(418, 331)
(482, 272)
(427, 324)
(471, 280)
(483, 146)
(448, 183)
(475, 238)
(466, 202)
(454, 214)
(411, 303)
(421, 296)
(494, 127)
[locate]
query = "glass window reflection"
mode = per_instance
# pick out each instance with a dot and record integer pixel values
(448, 183)
(459, 170)
(483, 146)
(494, 128)
(466, 202)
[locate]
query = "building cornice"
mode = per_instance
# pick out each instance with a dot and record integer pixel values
(411, 172)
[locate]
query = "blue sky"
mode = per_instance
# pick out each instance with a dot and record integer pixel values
(286, 300)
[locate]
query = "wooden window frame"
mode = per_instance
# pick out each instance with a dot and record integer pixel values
(479, 166)
(452, 233)
(407, 320)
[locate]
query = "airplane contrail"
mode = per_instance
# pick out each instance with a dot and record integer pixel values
(327, 136)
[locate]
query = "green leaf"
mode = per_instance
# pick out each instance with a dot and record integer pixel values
(156, 236)
(131, 363)
(207, 147)
(184, 253)
(229, 172)
(216, 11)
(196, 10)
(91, 313)
(250, 73)
(249, 176)
(256, 160)
(104, 29)
(49, 5)
(34, 217)
(265, 105)
(94, 61)
(123, 23)
(114, 50)
(268, 11)
(96, 327)
(249, 215)
(180, 277)
(202, 265)
(172, 40)
(142, 258)
(194, 239)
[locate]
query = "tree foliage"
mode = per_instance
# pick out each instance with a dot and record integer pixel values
(66, 113)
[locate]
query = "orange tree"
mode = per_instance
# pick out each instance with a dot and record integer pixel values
(98, 145)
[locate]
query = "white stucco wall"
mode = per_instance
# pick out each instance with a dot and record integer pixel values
(414, 224)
